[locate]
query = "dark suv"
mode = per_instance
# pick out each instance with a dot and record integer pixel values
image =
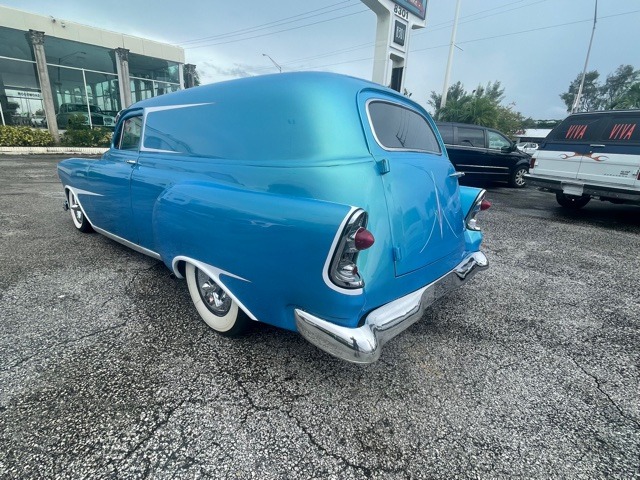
(484, 153)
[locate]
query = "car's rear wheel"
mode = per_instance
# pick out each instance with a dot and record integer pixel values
(517, 177)
(214, 305)
(573, 202)
(77, 215)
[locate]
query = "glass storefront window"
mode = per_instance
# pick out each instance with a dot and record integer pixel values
(82, 76)
(67, 53)
(103, 91)
(15, 44)
(20, 97)
(67, 86)
(153, 68)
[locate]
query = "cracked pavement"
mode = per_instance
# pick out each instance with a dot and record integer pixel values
(530, 371)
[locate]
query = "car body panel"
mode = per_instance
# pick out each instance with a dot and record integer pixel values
(255, 179)
(595, 152)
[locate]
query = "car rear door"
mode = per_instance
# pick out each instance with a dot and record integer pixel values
(561, 154)
(421, 188)
(470, 151)
(614, 155)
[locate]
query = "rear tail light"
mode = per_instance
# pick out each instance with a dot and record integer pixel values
(532, 163)
(355, 237)
(478, 205)
(638, 177)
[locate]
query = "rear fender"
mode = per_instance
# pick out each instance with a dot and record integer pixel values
(268, 250)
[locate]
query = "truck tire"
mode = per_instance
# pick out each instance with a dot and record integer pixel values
(571, 201)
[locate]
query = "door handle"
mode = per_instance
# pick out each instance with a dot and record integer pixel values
(596, 145)
(131, 162)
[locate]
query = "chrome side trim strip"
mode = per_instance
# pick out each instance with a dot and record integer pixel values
(127, 243)
(364, 344)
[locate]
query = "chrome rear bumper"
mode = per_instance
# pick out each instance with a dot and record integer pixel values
(364, 344)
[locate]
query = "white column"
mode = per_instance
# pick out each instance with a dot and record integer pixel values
(37, 41)
(122, 67)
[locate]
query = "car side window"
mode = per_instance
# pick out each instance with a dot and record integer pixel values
(399, 128)
(622, 130)
(578, 128)
(446, 132)
(497, 141)
(470, 137)
(130, 134)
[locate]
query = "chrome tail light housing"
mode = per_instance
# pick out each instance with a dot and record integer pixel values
(343, 270)
(479, 204)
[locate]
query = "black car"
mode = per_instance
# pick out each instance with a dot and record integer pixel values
(484, 153)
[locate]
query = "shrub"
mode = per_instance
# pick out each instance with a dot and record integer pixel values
(11, 136)
(79, 134)
(86, 137)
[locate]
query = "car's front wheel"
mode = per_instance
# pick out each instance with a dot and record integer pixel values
(77, 215)
(214, 305)
(517, 177)
(572, 201)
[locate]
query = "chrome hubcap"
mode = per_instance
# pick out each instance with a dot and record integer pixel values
(216, 299)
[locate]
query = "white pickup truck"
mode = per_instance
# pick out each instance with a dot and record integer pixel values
(590, 155)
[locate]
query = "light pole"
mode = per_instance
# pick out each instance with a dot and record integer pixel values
(576, 103)
(445, 88)
(273, 61)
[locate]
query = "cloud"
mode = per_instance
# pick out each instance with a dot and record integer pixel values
(209, 70)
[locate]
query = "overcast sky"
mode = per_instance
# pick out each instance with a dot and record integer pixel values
(534, 47)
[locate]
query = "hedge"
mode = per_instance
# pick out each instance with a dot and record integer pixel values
(87, 137)
(11, 136)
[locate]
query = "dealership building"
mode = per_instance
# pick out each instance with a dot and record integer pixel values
(50, 65)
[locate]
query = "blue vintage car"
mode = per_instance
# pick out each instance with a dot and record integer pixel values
(314, 202)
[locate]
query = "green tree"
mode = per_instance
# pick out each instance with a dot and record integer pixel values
(631, 99)
(590, 98)
(616, 92)
(483, 106)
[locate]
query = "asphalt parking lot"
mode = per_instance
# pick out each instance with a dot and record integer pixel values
(106, 370)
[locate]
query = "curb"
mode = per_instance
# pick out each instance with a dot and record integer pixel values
(52, 150)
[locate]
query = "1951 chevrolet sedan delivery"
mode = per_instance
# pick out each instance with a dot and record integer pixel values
(315, 202)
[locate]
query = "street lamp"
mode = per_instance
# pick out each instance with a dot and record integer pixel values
(273, 61)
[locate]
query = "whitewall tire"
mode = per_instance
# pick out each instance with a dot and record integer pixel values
(214, 305)
(77, 214)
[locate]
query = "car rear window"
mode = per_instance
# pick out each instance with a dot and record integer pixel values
(577, 128)
(622, 130)
(399, 128)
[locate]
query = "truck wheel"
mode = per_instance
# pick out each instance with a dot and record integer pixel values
(77, 215)
(571, 201)
(214, 305)
(517, 177)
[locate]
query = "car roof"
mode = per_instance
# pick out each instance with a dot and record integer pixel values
(606, 112)
(306, 85)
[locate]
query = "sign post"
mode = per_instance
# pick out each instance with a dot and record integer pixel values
(396, 20)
